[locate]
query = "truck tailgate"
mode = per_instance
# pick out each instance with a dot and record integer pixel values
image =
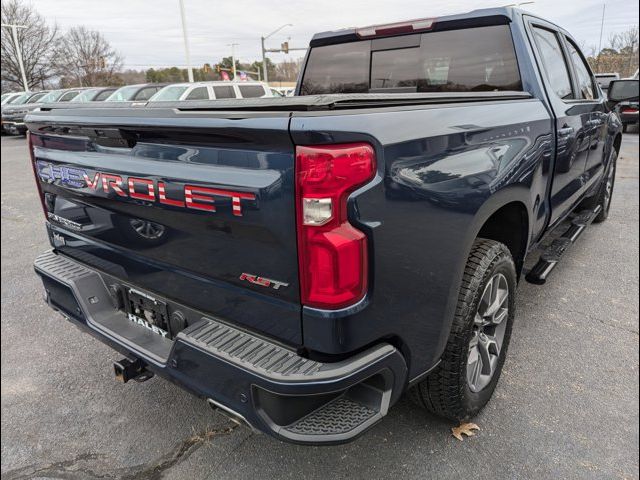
(198, 209)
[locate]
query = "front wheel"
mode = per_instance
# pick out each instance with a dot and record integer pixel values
(463, 382)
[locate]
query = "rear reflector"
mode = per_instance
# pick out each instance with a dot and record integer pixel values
(410, 26)
(332, 253)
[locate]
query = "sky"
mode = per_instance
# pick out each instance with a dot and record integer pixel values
(149, 33)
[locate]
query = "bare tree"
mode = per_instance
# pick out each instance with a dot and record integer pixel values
(35, 42)
(85, 58)
(288, 70)
(621, 54)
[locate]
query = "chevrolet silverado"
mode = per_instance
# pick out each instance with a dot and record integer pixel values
(302, 262)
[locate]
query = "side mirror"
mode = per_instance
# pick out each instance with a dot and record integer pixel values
(623, 91)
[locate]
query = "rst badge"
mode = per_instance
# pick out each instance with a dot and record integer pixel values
(194, 197)
(262, 281)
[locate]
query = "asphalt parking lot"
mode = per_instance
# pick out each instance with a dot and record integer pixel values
(566, 406)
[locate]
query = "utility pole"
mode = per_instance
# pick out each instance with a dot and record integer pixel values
(604, 5)
(186, 41)
(264, 50)
(233, 58)
(14, 33)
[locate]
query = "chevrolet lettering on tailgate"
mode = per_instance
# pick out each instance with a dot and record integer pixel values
(195, 197)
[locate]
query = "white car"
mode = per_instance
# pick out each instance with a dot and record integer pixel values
(211, 91)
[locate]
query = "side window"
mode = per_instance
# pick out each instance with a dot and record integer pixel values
(251, 91)
(146, 93)
(585, 82)
(553, 62)
(198, 93)
(224, 91)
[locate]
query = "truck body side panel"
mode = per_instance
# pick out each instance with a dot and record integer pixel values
(442, 172)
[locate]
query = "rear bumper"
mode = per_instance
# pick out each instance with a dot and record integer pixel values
(269, 386)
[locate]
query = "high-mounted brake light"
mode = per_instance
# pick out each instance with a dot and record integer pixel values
(332, 253)
(32, 141)
(409, 26)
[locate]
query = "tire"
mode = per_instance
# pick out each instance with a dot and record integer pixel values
(606, 188)
(449, 391)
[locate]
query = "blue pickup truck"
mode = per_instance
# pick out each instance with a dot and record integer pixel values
(302, 262)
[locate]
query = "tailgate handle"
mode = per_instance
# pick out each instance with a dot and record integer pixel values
(111, 137)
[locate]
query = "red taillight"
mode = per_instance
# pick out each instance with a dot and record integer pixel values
(410, 26)
(31, 142)
(628, 110)
(331, 252)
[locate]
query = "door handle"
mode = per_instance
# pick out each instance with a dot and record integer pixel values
(565, 131)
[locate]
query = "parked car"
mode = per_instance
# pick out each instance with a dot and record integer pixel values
(604, 79)
(322, 254)
(22, 103)
(7, 98)
(625, 93)
(13, 115)
(97, 94)
(211, 91)
(135, 93)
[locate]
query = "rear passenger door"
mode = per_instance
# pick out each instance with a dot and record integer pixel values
(573, 128)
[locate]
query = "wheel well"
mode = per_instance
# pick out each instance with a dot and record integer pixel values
(509, 225)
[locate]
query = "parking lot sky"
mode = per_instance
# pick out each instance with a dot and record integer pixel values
(148, 33)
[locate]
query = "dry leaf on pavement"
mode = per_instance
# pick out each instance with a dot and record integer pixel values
(466, 429)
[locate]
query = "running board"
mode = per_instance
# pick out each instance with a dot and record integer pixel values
(553, 253)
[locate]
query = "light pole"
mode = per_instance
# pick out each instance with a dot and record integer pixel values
(14, 33)
(186, 41)
(264, 51)
(604, 5)
(233, 58)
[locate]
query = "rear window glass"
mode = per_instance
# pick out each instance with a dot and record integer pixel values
(469, 60)
(251, 91)
(224, 91)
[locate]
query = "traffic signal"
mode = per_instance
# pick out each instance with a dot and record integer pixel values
(285, 47)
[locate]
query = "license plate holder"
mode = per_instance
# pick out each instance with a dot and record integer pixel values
(148, 312)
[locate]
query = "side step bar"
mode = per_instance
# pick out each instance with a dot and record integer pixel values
(552, 254)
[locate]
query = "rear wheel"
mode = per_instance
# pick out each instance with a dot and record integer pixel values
(470, 367)
(606, 189)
